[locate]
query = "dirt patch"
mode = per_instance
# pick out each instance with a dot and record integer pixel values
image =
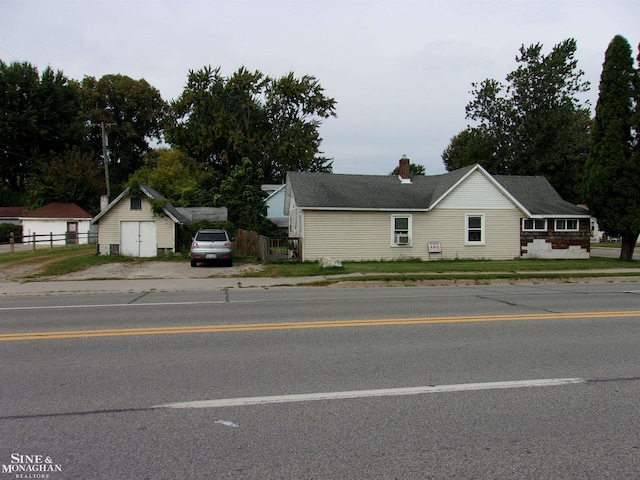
(17, 272)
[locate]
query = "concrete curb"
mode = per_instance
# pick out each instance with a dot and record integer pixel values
(222, 283)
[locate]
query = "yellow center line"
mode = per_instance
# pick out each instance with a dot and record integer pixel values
(8, 337)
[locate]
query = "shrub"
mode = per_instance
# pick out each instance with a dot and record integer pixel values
(5, 232)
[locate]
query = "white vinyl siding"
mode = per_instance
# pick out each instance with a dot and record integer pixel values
(478, 192)
(361, 235)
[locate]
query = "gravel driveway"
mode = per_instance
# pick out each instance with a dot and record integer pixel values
(18, 272)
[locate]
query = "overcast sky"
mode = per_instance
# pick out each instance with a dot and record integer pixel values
(400, 71)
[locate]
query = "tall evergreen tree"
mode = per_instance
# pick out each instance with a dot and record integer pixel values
(612, 173)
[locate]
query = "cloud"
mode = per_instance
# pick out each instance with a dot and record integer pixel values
(401, 71)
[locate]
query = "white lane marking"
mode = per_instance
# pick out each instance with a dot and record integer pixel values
(226, 423)
(389, 392)
(109, 305)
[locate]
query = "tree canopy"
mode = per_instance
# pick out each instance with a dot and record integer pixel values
(39, 117)
(48, 122)
(177, 176)
(532, 125)
(612, 173)
(226, 133)
(275, 123)
(132, 112)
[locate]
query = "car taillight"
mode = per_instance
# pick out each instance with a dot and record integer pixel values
(227, 244)
(194, 244)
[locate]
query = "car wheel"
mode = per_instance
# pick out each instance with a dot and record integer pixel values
(194, 263)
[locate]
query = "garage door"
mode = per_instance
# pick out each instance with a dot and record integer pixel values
(138, 239)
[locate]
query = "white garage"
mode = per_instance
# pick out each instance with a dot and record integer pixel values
(131, 225)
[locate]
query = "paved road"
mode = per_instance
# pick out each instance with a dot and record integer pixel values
(399, 383)
(611, 252)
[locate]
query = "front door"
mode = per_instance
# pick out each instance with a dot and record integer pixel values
(72, 233)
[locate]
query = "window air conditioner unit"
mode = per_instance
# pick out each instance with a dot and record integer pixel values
(402, 239)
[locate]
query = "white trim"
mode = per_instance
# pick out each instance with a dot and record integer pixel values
(483, 229)
(397, 239)
(351, 209)
(524, 229)
(555, 225)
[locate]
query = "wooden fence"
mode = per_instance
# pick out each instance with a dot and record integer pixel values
(49, 240)
(270, 249)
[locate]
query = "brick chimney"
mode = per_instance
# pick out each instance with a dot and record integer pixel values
(403, 169)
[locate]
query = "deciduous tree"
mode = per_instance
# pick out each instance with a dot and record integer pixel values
(38, 119)
(275, 122)
(132, 111)
(532, 125)
(179, 178)
(243, 196)
(72, 176)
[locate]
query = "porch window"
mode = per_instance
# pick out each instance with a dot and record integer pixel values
(474, 229)
(567, 225)
(401, 230)
(534, 224)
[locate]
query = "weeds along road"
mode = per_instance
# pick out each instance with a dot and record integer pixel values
(494, 381)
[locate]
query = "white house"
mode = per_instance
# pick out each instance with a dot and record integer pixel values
(466, 214)
(65, 223)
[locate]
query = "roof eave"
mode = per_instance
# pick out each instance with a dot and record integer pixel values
(361, 209)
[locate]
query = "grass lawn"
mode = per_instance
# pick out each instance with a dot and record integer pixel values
(61, 260)
(444, 267)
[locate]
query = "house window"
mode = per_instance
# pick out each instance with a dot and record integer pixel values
(567, 225)
(534, 224)
(401, 230)
(136, 203)
(474, 229)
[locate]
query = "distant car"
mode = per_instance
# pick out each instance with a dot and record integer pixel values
(211, 246)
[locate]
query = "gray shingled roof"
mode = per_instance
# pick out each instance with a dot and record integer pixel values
(213, 214)
(179, 215)
(168, 207)
(387, 192)
(538, 196)
(330, 190)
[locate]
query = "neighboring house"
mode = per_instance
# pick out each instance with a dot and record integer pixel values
(11, 214)
(129, 226)
(465, 214)
(275, 205)
(65, 223)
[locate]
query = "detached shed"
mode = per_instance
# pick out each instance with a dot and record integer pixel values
(129, 225)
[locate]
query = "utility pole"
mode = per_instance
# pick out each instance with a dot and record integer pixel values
(105, 156)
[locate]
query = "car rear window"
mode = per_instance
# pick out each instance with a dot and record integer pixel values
(212, 237)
